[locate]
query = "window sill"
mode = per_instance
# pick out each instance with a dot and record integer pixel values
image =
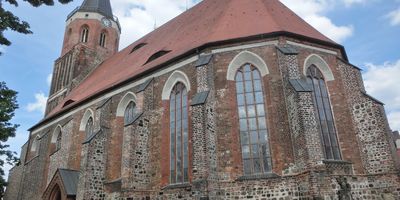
(258, 177)
(186, 186)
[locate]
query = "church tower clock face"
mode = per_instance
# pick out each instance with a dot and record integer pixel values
(106, 22)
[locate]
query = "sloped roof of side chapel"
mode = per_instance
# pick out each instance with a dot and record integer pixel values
(211, 22)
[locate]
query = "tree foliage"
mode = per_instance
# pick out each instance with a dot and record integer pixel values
(8, 21)
(8, 105)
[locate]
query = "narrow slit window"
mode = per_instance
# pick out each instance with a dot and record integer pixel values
(324, 114)
(179, 135)
(253, 132)
(85, 34)
(102, 41)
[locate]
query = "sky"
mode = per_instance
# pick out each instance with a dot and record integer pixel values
(369, 30)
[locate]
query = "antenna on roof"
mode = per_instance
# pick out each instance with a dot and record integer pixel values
(186, 4)
(155, 24)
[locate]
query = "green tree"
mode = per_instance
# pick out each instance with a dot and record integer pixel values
(8, 104)
(8, 21)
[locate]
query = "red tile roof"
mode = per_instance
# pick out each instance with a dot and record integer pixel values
(209, 22)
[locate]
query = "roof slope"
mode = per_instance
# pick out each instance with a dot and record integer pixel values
(70, 180)
(208, 22)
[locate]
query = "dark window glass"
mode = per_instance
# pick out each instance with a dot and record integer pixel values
(324, 114)
(102, 41)
(89, 127)
(179, 135)
(252, 122)
(130, 112)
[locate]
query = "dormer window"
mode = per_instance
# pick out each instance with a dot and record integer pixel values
(102, 41)
(137, 47)
(157, 55)
(84, 34)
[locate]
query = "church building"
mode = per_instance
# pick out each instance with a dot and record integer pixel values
(232, 99)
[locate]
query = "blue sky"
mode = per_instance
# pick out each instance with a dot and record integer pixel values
(369, 30)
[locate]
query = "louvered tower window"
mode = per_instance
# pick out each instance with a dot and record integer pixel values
(252, 121)
(102, 41)
(324, 114)
(179, 135)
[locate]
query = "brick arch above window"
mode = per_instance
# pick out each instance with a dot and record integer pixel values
(321, 64)
(88, 114)
(126, 99)
(246, 57)
(176, 77)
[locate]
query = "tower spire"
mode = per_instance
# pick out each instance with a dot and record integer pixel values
(100, 6)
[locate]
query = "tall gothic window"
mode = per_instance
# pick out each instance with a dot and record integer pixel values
(58, 141)
(102, 41)
(324, 114)
(89, 129)
(179, 135)
(252, 121)
(85, 34)
(130, 112)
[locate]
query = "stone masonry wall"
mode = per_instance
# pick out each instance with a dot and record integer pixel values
(34, 172)
(370, 121)
(59, 159)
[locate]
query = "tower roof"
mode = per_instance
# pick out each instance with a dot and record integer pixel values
(100, 6)
(209, 23)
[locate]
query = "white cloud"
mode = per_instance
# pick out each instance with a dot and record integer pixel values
(349, 3)
(394, 17)
(48, 79)
(380, 82)
(313, 12)
(39, 104)
(138, 17)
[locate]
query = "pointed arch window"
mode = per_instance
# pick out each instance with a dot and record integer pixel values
(84, 34)
(56, 138)
(254, 141)
(58, 142)
(324, 113)
(102, 41)
(130, 112)
(179, 135)
(89, 128)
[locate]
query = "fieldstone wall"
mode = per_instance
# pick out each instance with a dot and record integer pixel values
(92, 176)
(59, 159)
(34, 178)
(304, 133)
(371, 124)
(136, 155)
(14, 182)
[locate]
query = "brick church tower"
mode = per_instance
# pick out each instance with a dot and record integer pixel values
(91, 36)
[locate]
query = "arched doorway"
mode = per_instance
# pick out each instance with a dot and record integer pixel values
(56, 193)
